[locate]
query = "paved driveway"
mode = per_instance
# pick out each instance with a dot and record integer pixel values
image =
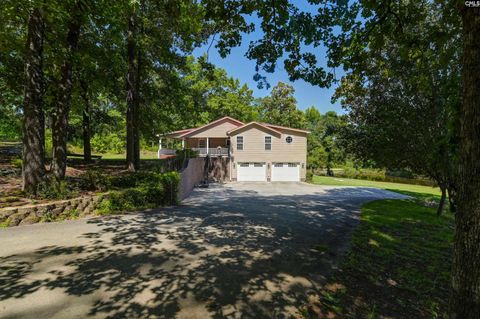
(244, 250)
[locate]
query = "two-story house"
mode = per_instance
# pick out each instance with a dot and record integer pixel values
(253, 151)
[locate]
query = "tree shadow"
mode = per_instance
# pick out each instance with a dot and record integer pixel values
(226, 253)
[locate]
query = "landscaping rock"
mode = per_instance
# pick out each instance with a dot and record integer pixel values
(30, 219)
(4, 214)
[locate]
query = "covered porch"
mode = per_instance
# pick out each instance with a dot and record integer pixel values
(211, 146)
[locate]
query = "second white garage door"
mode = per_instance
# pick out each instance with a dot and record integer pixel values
(285, 172)
(251, 172)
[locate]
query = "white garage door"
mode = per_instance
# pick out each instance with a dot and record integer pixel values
(285, 172)
(248, 172)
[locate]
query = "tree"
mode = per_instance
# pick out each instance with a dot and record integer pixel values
(132, 92)
(33, 122)
(280, 107)
(64, 93)
(350, 48)
(465, 301)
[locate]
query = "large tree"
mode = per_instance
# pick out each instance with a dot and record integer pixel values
(33, 121)
(280, 107)
(350, 29)
(465, 302)
(64, 90)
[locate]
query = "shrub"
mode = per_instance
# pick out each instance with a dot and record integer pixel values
(111, 142)
(53, 189)
(309, 176)
(95, 180)
(149, 190)
(170, 182)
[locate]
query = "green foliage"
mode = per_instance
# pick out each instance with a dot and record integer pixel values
(399, 263)
(380, 175)
(47, 217)
(16, 162)
(170, 183)
(72, 213)
(95, 180)
(141, 190)
(110, 142)
(280, 107)
(54, 189)
(48, 143)
(325, 148)
(5, 223)
(309, 177)
(397, 187)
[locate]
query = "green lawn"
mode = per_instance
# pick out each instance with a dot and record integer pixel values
(122, 156)
(402, 188)
(399, 262)
(143, 155)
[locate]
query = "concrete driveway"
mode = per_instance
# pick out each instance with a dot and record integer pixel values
(241, 250)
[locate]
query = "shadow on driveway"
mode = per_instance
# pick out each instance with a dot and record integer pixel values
(229, 252)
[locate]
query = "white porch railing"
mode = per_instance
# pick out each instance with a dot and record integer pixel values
(212, 151)
(202, 151)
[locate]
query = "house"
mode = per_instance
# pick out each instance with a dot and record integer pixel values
(251, 151)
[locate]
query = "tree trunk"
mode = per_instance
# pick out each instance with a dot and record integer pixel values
(64, 95)
(441, 205)
(132, 94)
(33, 171)
(465, 299)
(87, 149)
(451, 199)
(137, 111)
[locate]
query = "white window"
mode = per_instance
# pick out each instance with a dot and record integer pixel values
(278, 165)
(257, 165)
(202, 143)
(244, 164)
(240, 143)
(292, 165)
(289, 139)
(268, 143)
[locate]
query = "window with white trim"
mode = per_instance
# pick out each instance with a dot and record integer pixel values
(239, 143)
(244, 164)
(202, 143)
(292, 164)
(268, 143)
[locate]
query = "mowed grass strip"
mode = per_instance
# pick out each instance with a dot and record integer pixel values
(398, 266)
(338, 181)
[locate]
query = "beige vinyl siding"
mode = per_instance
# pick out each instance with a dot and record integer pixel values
(281, 152)
(214, 142)
(217, 130)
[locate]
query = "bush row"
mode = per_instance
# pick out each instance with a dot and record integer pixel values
(380, 176)
(148, 191)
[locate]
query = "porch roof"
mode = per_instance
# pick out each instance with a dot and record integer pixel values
(189, 131)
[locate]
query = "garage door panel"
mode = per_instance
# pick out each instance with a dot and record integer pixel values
(285, 172)
(251, 172)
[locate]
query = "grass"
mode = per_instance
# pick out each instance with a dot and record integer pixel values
(397, 187)
(399, 262)
(121, 156)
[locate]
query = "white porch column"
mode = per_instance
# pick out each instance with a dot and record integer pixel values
(208, 144)
(183, 143)
(159, 147)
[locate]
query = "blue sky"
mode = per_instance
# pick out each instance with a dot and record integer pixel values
(238, 66)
